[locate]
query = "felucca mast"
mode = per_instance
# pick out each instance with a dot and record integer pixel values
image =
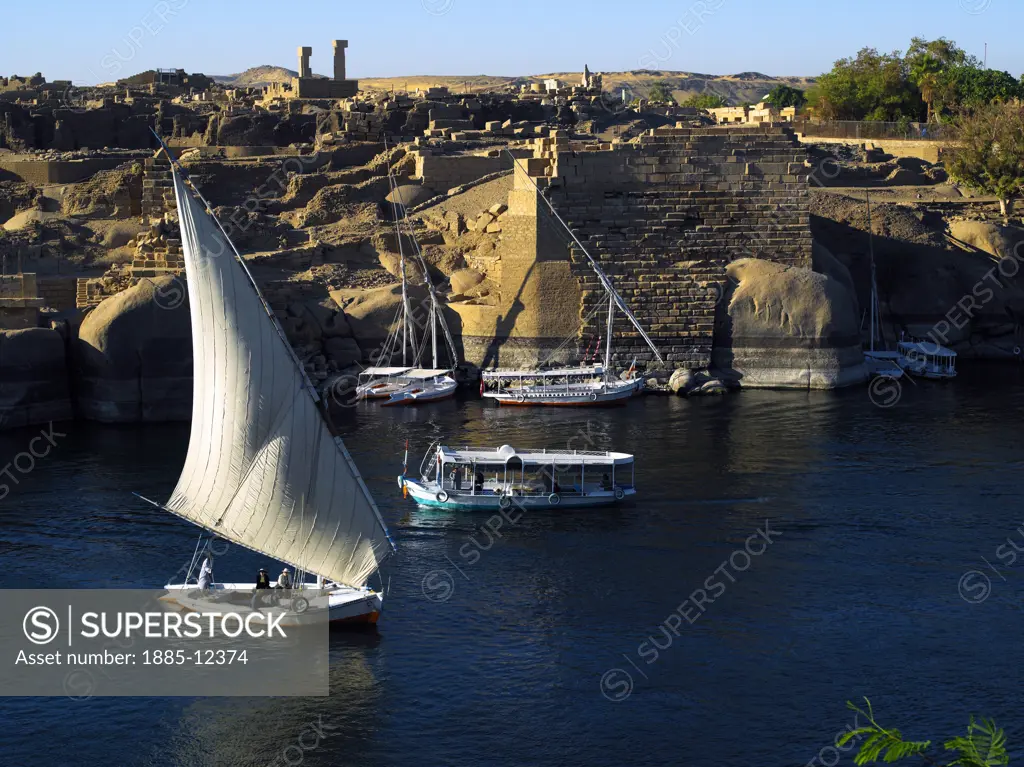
(436, 316)
(605, 281)
(874, 284)
(608, 345)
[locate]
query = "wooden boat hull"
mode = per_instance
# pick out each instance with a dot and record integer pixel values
(573, 397)
(345, 606)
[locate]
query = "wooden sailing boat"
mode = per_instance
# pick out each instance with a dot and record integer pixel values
(881, 363)
(412, 386)
(263, 468)
(582, 386)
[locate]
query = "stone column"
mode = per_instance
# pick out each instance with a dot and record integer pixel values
(304, 53)
(339, 59)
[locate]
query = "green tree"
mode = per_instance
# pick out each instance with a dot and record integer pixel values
(783, 96)
(989, 152)
(983, 746)
(661, 92)
(705, 101)
(871, 86)
(972, 87)
(928, 64)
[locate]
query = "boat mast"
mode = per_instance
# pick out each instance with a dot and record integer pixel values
(605, 281)
(433, 328)
(608, 345)
(874, 284)
(405, 307)
(435, 311)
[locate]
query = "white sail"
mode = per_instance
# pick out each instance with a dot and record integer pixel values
(263, 469)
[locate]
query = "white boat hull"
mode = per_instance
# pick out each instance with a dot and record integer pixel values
(431, 496)
(571, 395)
(419, 394)
(884, 364)
(344, 605)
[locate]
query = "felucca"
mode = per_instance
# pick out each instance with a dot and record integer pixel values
(263, 468)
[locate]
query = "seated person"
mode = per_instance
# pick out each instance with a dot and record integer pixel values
(284, 580)
(478, 483)
(606, 483)
(262, 583)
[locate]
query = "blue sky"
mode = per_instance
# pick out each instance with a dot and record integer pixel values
(101, 41)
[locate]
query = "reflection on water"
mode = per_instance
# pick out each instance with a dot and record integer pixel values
(880, 512)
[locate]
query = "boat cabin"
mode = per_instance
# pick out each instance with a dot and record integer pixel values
(484, 477)
(928, 359)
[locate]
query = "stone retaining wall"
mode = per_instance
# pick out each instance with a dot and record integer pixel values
(664, 216)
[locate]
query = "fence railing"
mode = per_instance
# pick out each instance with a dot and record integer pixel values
(869, 130)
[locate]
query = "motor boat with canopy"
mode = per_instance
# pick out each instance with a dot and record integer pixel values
(490, 479)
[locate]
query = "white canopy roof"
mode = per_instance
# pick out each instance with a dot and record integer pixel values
(591, 370)
(534, 457)
(424, 374)
(927, 348)
(384, 371)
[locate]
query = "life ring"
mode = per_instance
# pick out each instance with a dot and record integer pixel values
(619, 493)
(593, 396)
(521, 398)
(442, 497)
(504, 502)
(554, 499)
(1016, 350)
(300, 605)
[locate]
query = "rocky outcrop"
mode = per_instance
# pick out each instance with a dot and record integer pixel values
(372, 313)
(33, 378)
(972, 302)
(786, 327)
(133, 356)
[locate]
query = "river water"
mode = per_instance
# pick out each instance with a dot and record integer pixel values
(541, 650)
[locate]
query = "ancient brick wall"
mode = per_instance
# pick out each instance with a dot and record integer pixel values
(443, 172)
(665, 215)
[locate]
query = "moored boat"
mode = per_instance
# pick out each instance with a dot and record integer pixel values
(380, 382)
(487, 479)
(880, 363)
(577, 387)
(421, 386)
(927, 359)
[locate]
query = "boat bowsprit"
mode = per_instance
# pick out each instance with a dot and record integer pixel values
(487, 479)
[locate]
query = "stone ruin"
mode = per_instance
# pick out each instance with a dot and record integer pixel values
(663, 217)
(306, 86)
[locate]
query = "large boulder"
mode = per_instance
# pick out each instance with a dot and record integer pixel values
(786, 327)
(342, 352)
(133, 356)
(409, 195)
(994, 239)
(371, 314)
(464, 280)
(681, 382)
(972, 302)
(33, 378)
